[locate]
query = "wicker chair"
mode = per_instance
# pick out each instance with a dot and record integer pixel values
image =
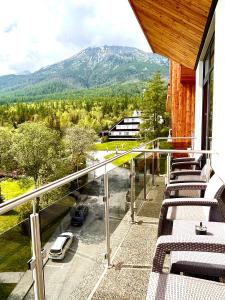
(189, 189)
(191, 175)
(205, 209)
(187, 162)
(197, 157)
(164, 286)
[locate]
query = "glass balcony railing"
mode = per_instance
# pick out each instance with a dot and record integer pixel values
(15, 252)
(117, 193)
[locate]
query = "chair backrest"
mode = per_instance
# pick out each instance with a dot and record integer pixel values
(206, 172)
(213, 186)
(221, 201)
(198, 156)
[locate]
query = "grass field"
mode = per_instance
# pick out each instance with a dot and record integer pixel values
(6, 289)
(122, 145)
(15, 251)
(122, 160)
(11, 188)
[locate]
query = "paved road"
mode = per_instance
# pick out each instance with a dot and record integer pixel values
(76, 275)
(99, 157)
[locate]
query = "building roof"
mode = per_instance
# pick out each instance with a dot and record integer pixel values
(174, 28)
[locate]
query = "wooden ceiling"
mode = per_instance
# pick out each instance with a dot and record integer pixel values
(173, 28)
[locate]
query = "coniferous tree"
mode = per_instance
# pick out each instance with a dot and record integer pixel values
(155, 118)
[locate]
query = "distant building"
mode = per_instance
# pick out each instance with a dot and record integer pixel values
(127, 128)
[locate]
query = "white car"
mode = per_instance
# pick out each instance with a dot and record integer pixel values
(61, 245)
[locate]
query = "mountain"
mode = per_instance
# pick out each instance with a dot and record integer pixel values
(91, 68)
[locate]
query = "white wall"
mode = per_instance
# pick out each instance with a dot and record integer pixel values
(131, 120)
(198, 106)
(130, 126)
(218, 134)
(125, 133)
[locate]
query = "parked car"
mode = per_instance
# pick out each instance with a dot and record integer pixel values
(61, 245)
(79, 215)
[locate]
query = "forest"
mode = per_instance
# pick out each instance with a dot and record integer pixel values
(96, 113)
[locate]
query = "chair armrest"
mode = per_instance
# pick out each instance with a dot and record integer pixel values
(185, 173)
(213, 203)
(187, 181)
(182, 164)
(201, 186)
(166, 244)
(182, 159)
(189, 202)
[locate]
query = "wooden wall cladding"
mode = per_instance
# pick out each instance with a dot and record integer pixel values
(187, 75)
(182, 94)
(173, 28)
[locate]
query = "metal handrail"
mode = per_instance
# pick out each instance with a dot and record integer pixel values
(11, 204)
(176, 137)
(172, 138)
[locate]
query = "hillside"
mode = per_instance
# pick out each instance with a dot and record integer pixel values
(97, 67)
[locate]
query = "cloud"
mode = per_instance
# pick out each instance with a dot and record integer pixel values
(10, 27)
(36, 33)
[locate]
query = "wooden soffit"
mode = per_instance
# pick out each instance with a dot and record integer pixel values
(174, 28)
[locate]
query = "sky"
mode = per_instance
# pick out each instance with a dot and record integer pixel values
(37, 33)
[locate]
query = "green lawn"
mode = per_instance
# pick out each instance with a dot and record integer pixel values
(122, 160)
(15, 250)
(11, 188)
(122, 145)
(6, 289)
(8, 220)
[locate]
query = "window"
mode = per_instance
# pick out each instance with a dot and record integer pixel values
(207, 107)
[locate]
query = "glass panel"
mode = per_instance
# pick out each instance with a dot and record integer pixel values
(74, 263)
(149, 176)
(121, 190)
(15, 251)
(210, 117)
(120, 198)
(155, 186)
(206, 66)
(212, 59)
(139, 163)
(212, 53)
(204, 116)
(207, 112)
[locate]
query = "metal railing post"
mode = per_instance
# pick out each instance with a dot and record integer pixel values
(39, 290)
(168, 163)
(158, 157)
(107, 232)
(145, 180)
(192, 141)
(132, 196)
(153, 166)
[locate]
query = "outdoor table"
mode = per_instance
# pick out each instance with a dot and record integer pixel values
(201, 263)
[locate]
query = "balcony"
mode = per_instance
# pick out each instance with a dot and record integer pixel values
(111, 254)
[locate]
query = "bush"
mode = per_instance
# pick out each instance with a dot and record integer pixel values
(1, 198)
(104, 139)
